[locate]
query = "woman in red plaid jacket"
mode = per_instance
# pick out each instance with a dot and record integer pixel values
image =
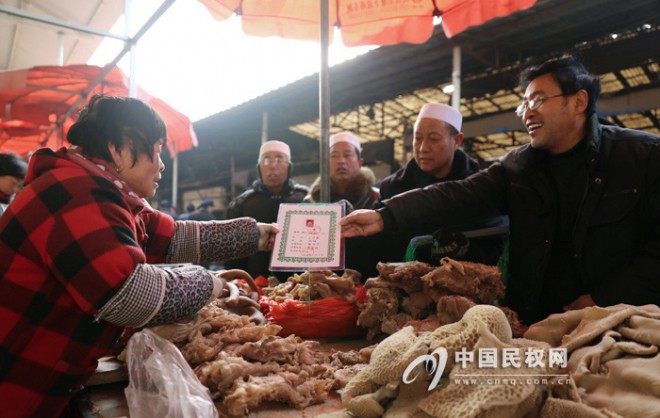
(77, 248)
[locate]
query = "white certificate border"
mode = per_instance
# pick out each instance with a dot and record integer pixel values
(284, 263)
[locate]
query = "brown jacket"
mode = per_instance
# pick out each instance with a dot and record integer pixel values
(362, 194)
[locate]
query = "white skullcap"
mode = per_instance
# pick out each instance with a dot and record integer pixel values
(441, 112)
(345, 137)
(275, 146)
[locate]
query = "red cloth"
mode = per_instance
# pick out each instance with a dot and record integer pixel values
(68, 242)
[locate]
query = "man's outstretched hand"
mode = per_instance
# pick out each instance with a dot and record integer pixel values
(361, 222)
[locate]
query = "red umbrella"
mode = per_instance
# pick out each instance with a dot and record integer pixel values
(41, 96)
(363, 22)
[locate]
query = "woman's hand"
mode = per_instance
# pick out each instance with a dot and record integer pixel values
(361, 222)
(267, 234)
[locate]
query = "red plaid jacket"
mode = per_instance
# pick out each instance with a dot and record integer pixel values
(68, 242)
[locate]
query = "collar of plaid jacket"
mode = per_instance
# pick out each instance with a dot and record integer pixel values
(94, 166)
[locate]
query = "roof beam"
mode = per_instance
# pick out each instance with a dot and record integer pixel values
(59, 22)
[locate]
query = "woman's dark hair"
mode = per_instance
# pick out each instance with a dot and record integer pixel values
(12, 165)
(571, 75)
(121, 121)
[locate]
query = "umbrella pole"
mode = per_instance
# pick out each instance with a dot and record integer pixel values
(324, 105)
(175, 179)
(264, 127)
(132, 82)
(456, 79)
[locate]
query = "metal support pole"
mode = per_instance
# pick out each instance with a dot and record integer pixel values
(132, 76)
(456, 79)
(60, 48)
(58, 22)
(264, 127)
(175, 179)
(324, 105)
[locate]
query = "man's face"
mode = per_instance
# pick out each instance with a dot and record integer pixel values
(553, 122)
(433, 147)
(344, 162)
(274, 168)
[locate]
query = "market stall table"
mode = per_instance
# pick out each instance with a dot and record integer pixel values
(103, 396)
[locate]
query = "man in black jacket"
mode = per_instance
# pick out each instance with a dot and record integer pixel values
(583, 201)
(262, 200)
(437, 157)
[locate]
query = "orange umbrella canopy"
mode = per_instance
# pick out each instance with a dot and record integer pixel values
(23, 136)
(33, 100)
(363, 22)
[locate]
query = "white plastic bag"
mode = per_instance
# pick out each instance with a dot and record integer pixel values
(161, 383)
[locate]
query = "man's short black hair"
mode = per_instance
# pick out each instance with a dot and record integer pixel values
(571, 75)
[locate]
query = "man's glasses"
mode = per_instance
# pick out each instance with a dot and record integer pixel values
(274, 161)
(534, 103)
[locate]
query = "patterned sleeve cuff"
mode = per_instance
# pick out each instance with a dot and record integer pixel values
(189, 287)
(196, 242)
(228, 240)
(154, 295)
(184, 247)
(139, 298)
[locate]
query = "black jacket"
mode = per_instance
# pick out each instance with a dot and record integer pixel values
(616, 236)
(258, 203)
(410, 176)
(392, 246)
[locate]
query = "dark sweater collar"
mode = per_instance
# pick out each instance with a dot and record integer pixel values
(462, 166)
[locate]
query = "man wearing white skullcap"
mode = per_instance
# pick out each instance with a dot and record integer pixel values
(274, 162)
(436, 152)
(437, 158)
(350, 182)
(349, 179)
(262, 200)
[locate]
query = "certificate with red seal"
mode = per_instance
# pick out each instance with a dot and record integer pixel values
(310, 237)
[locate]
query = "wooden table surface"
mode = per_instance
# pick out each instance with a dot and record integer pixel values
(108, 401)
(103, 396)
